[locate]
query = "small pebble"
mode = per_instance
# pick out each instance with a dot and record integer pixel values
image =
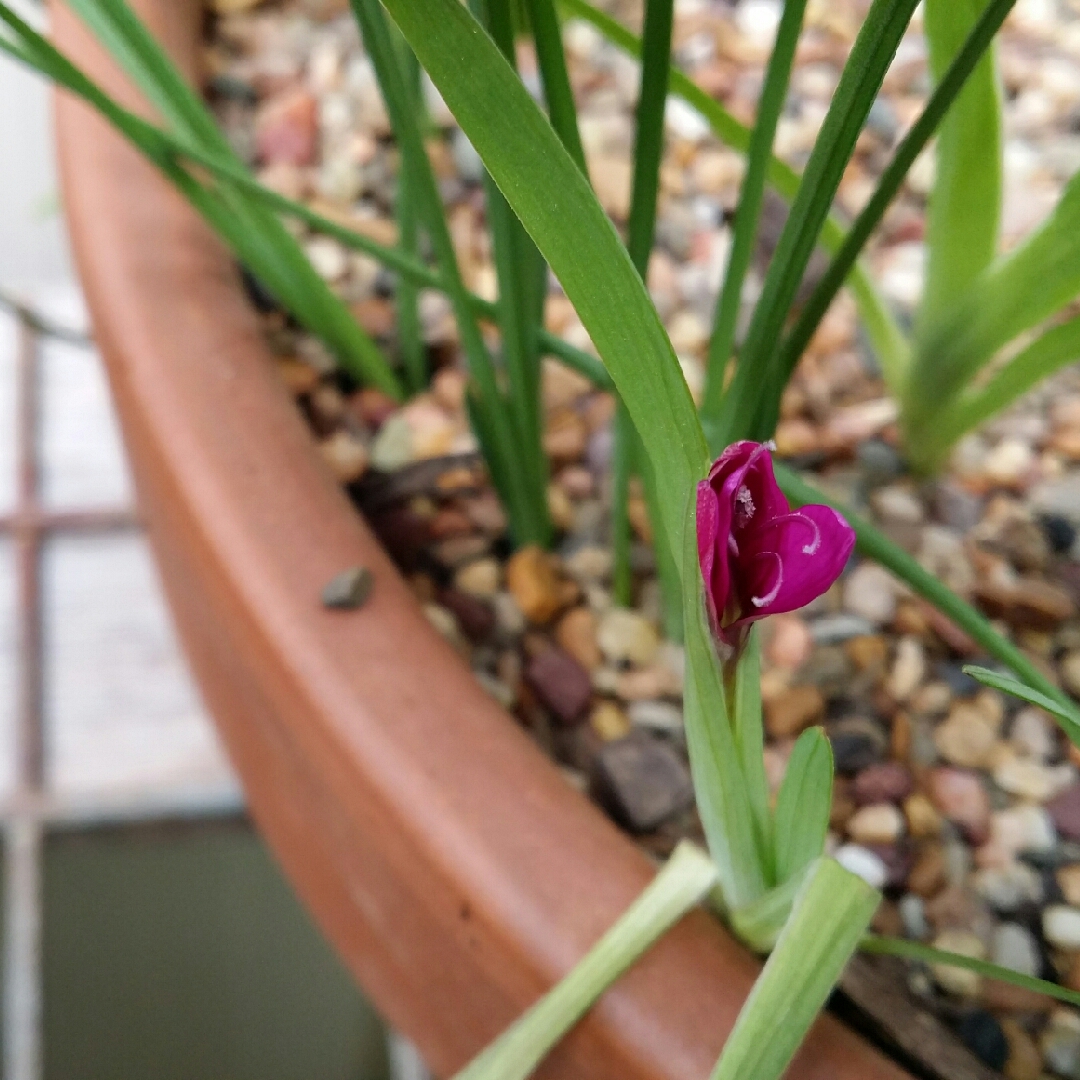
(479, 578)
(836, 629)
(922, 819)
(957, 980)
(561, 684)
(1033, 734)
(1024, 1061)
(609, 721)
(345, 455)
(1060, 1043)
(624, 636)
(642, 781)
(1061, 926)
(792, 710)
(1008, 888)
(961, 798)
(576, 633)
(1014, 947)
(1068, 880)
(349, 590)
(856, 744)
(880, 824)
(534, 583)
(863, 863)
(913, 914)
(656, 715)
(870, 593)
(981, 1033)
(1064, 810)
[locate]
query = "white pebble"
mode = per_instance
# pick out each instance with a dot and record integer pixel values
(863, 863)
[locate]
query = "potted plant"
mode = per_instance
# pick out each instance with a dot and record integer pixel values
(444, 857)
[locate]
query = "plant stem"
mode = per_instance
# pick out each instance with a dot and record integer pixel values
(748, 212)
(680, 886)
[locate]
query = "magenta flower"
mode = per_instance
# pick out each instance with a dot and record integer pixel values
(758, 557)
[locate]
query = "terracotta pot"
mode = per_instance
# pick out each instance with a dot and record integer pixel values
(453, 869)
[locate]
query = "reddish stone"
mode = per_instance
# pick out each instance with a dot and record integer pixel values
(287, 129)
(960, 796)
(562, 685)
(1064, 809)
(476, 619)
(888, 782)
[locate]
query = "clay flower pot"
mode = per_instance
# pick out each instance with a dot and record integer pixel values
(453, 869)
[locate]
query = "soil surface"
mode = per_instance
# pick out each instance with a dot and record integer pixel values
(963, 804)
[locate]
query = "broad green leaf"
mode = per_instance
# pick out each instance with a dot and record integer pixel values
(912, 950)
(1015, 293)
(750, 402)
(746, 721)
(1048, 353)
(965, 204)
(875, 545)
(722, 794)
(1068, 718)
(802, 805)
(271, 252)
(681, 885)
(881, 327)
(831, 912)
(546, 190)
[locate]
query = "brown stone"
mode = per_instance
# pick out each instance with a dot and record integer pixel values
(534, 582)
(560, 683)
(576, 633)
(1064, 810)
(1029, 603)
(286, 128)
(565, 436)
(1024, 1061)
(960, 796)
(642, 781)
(888, 781)
(793, 710)
(927, 876)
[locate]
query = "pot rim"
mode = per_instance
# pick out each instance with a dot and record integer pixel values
(454, 870)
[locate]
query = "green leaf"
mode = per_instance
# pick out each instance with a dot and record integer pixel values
(875, 545)
(722, 794)
(828, 918)
(1048, 353)
(1015, 293)
(547, 34)
(1068, 718)
(501, 439)
(882, 329)
(758, 925)
(802, 805)
(912, 950)
(978, 41)
(259, 238)
(547, 191)
(748, 212)
(681, 885)
(744, 699)
(965, 205)
(750, 401)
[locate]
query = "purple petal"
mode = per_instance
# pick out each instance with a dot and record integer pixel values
(812, 546)
(712, 529)
(747, 483)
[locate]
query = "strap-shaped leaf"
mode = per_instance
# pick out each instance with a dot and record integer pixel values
(829, 916)
(1068, 718)
(803, 804)
(964, 214)
(546, 190)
